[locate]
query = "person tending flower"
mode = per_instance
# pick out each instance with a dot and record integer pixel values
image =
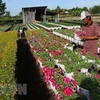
(92, 35)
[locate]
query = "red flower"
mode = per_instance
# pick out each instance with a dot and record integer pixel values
(66, 79)
(67, 91)
(42, 60)
(53, 81)
(58, 97)
(57, 86)
(74, 82)
(97, 76)
(83, 51)
(56, 52)
(47, 80)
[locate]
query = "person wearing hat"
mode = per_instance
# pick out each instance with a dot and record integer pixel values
(92, 29)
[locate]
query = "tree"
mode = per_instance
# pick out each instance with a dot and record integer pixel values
(7, 13)
(2, 7)
(75, 11)
(20, 14)
(85, 8)
(48, 9)
(58, 9)
(95, 9)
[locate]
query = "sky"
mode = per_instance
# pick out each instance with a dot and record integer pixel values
(15, 6)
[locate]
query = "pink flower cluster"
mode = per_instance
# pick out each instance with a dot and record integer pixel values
(83, 51)
(69, 90)
(56, 52)
(97, 76)
(66, 87)
(49, 76)
(59, 97)
(68, 80)
(79, 32)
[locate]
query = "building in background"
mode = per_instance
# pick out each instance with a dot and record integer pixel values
(31, 14)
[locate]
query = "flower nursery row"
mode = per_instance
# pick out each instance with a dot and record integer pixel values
(5, 27)
(8, 49)
(31, 26)
(70, 76)
(70, 33)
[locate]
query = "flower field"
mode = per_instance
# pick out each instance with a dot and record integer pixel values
(72, 75)
(66, 72)
(8, 49)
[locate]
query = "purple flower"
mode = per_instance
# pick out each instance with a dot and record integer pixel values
(93, 66)
(89, 70)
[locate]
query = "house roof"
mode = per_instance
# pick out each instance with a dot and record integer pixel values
(40, 9)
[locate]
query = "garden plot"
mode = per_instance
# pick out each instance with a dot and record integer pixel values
(66, 34)
(50, 26)
(36, 27)
(64, 70)
(70, 35)
(31, 26)
(16, 27)
(8, 49)
(66, 25)
(4, 27)
(58, 34)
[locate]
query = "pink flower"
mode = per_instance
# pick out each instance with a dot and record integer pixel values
(53, 81)
(97, 76)
(74, 82)
(79, 32)
(83, 32)
(44, 68)
(67, 91)
(83, 51)
(56, 52)
(53, 71)
(66, 79)
(47, 80)
(58, 97)
(57, 86)
(47, 72)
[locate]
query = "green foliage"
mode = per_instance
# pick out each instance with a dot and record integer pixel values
(73, 63)
(2, 7)
(95, 9)
(7, 14)
(8, 49)
(77, 11)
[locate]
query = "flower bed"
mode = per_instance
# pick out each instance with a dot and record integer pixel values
(61, 66)
(8, 49)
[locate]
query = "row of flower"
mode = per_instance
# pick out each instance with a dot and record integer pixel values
(71, 33)
(16, 26)
(4, 27)
(64, 69)
(32, 26)
(67, 23)
(50, 26)
(8, 49)
(47, 24)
